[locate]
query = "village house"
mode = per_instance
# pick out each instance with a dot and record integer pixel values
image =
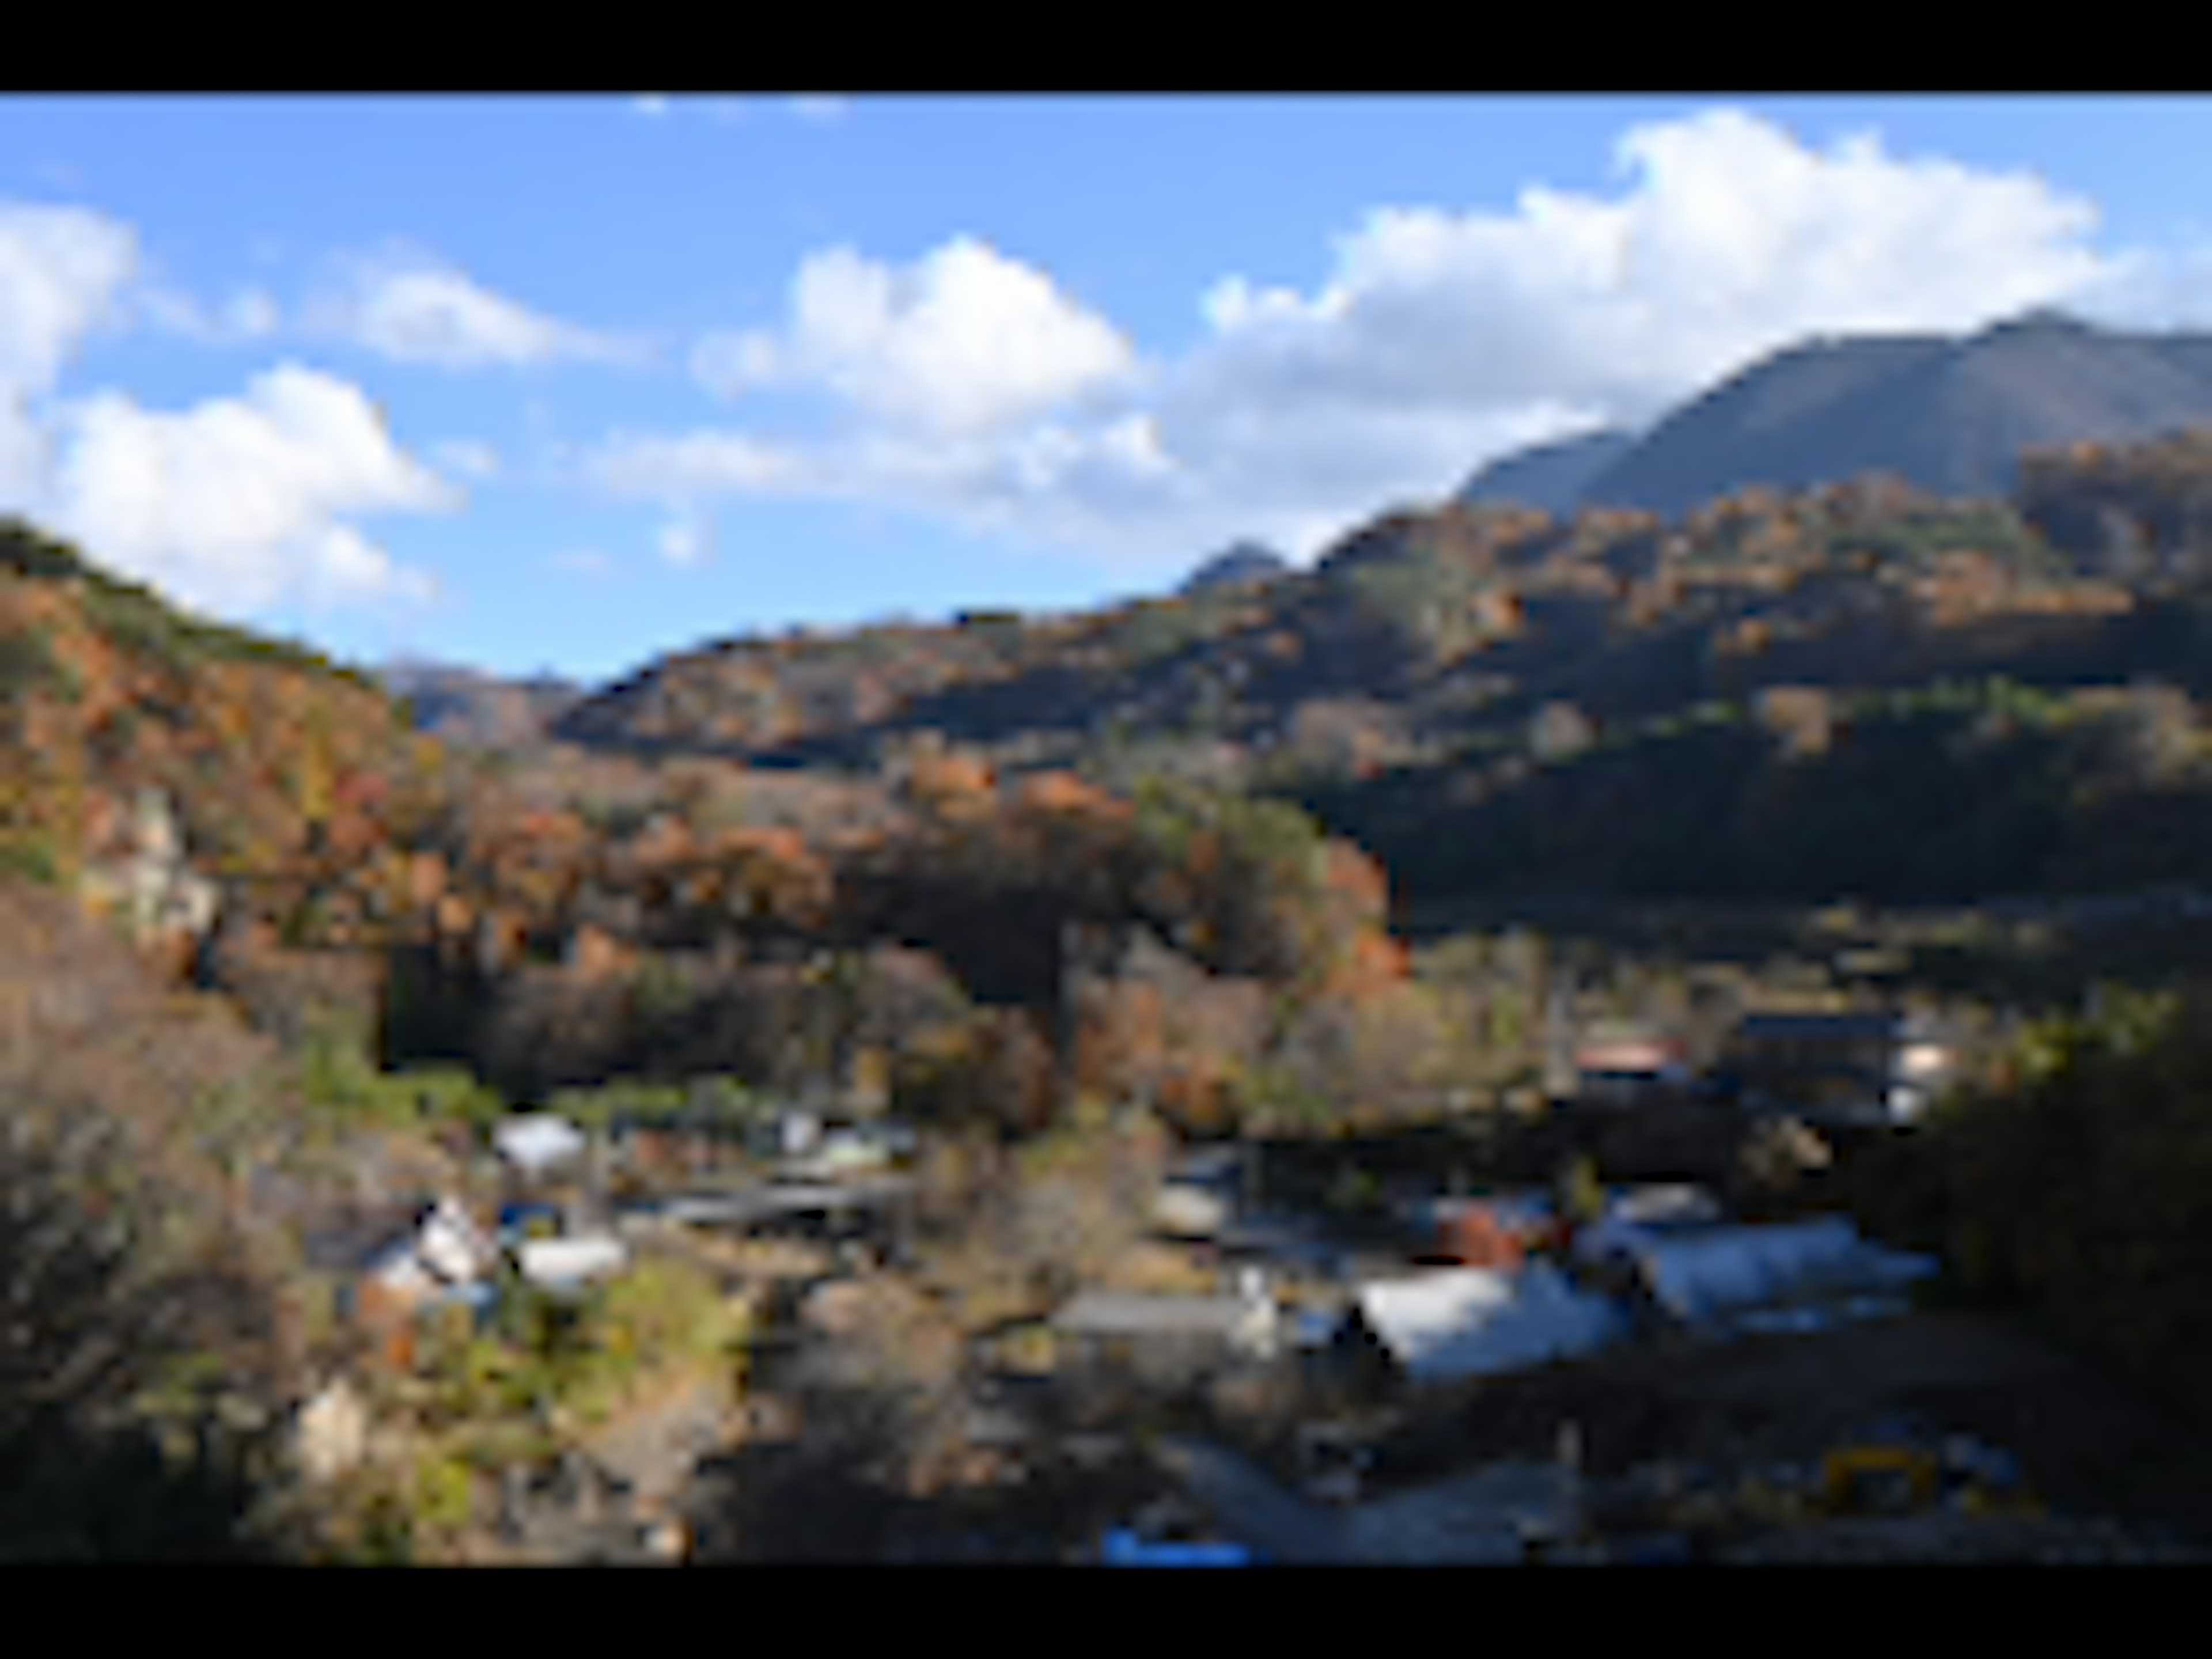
(538, 1144)
(1454, 1323)
(812, 1146)
(1498, 1230)
(1166, 1341)
(544, 1156)
(875, 1213)
(1780, 1276)
(1854, 1068)
(394, 1269)
(440, 1250)
(1621, 1063)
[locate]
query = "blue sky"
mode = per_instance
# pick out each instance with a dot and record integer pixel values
(567, 382)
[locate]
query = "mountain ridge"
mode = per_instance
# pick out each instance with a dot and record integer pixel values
(1949, 414)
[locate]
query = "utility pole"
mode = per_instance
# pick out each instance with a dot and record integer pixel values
(1559, 1074)
(595, 1175)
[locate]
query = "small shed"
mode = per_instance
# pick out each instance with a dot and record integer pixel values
(330, 1433)
(798, 1134)
(1871, 1067)
(1185, 1209)
(1671, 1205)
(1619, 1063)
(567, 1263)
(538, 1143)
(840, 1151)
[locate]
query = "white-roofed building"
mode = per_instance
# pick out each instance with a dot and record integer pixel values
(565, 1263)
(444, 1249)
(1721, 1272)
(1473, 1321)
(1169, 1338)
(538, 1142)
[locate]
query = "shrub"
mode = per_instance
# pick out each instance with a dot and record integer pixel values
(29, 665)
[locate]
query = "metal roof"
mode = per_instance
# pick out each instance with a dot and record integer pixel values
(1105, 1313)
(1724, 1269)
(538, 1138)
(1474, 1321)
(1608, 1033)
(1858, 1024)
(760, 1202)
(545, 1259)
(1664, 1204)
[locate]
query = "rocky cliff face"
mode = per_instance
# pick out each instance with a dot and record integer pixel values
(150, 879)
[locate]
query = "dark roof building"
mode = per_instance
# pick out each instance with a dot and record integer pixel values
(1859, 1063)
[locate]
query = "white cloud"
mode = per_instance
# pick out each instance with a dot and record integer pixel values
(682, 543)
(696, 465)
(467, 455)
(62, 274)
(729, 109)
(25, 453)
(962, 340)
(2167, 289)
(730, 365)
(972, 388)
(230, 505)
(416, 310)
(1729, 239)
(238, 503)
(250, 314)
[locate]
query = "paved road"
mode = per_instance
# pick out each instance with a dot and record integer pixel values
(1249, 1504)
(1475, 1518)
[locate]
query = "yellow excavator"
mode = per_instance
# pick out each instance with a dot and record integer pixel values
(1878, 1480)
(1896, 1476)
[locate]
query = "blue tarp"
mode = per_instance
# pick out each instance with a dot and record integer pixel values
(1123, 1548)
(1316, 1327)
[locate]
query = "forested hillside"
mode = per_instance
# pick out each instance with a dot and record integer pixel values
(1779, 693)
(548, 916)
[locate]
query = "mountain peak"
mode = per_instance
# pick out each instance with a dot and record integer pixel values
(1242, 562)
(2040, 321)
